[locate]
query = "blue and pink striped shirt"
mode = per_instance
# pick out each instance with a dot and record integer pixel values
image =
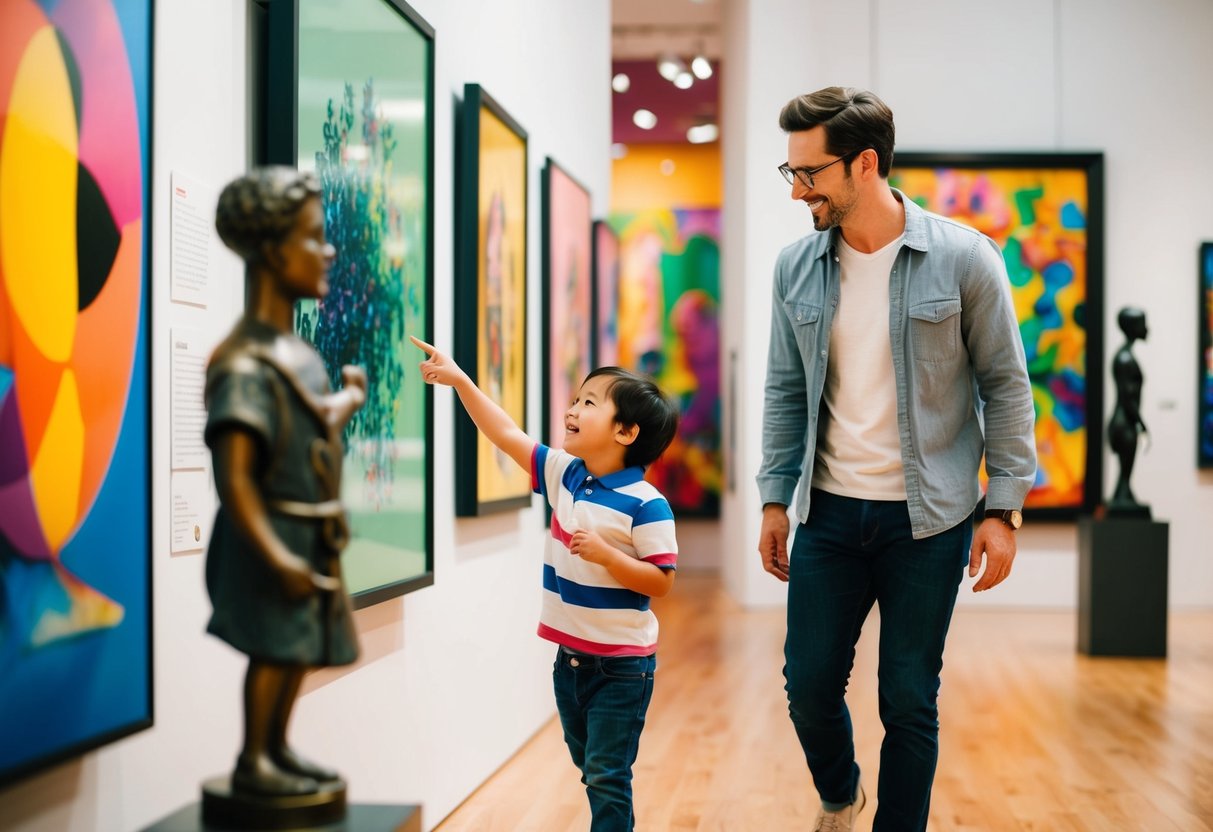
(584, 608)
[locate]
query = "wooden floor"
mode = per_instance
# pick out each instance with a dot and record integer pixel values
(1034, 736)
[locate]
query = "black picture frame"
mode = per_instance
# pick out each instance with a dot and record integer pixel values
(490, 294)
(1204, 362)
(1058, 169)
(90, 681)
(278, 79)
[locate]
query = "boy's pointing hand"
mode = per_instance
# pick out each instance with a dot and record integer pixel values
(437, 368)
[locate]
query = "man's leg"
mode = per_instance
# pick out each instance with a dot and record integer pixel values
(916, 585)
(829, 595)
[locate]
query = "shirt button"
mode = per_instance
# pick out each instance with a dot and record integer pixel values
(799, 317)
(589, 491)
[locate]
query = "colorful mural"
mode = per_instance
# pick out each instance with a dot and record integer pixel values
(669, 297)
(606, 295)
(1039, 216)
(75, 659)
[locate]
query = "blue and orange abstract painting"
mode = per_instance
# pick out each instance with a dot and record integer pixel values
(669, 328)
(1040, 217)
(74, 437)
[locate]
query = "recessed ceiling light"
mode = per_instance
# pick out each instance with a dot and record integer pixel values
(621, 82)
(703, 133)
(644, 119)
(683, 80)
(668, 66)
(702, 67)
(619, 150)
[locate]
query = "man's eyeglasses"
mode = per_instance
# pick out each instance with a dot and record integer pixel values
(805, 175)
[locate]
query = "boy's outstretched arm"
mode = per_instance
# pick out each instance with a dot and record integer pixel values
(493, 422)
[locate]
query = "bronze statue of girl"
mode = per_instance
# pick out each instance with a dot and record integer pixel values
(274, 428)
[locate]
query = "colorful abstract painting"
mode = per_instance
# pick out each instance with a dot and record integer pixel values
(606, 295)
(490, 306)
(365, 127)
(567, 298)
(75, 549)
(669, 327)
(1204, 436)
(1045, 212)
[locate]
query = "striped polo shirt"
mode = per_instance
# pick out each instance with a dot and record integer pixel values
(584, 608)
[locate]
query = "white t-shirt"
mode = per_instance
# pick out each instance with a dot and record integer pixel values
(860, 452)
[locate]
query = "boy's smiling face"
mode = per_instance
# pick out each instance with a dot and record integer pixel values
(591, 430)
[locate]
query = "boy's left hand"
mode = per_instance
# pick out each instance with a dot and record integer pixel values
(590, 546)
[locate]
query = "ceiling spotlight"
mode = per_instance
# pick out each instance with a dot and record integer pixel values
(683, 80)
(702, 67)
(644, 119)
(619, 150)
(668, 66)
(621, 82)
(703, 133)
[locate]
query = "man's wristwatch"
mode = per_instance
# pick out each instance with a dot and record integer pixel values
(1010, 516)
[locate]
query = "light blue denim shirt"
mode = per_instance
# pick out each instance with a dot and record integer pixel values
(958, 363)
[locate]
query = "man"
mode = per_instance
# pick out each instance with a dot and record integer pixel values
(895, 362)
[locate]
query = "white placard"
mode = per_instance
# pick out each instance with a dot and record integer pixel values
(193, 511)
(192, 228)
(188, 410)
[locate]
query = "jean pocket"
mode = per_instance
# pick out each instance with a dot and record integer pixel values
(628, 667)
(935, 330)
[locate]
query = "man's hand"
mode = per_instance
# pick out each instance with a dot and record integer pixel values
(996, 541)
(773, 540)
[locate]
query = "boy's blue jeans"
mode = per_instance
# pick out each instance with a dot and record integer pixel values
(849, 554)
(602, 702)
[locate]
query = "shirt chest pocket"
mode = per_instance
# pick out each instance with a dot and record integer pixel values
(804, 318)
(935, 330)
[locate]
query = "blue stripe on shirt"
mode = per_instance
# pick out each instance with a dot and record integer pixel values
(594, 597)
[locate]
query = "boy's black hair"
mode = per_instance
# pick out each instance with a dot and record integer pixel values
(640, 402)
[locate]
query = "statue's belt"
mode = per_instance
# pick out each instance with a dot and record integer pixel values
(308, 511)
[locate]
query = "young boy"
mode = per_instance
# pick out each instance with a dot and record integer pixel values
(612, 547)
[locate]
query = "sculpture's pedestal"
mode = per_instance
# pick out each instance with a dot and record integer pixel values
(1122, 586)
(355, 817)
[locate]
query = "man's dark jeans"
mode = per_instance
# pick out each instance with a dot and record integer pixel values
(850, 554)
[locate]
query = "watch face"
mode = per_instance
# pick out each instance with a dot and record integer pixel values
(1015, 518)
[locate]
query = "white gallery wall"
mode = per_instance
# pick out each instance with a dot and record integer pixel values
(452, 680)
(1126, 78)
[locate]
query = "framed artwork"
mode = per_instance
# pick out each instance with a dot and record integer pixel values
(490, 311)
(75, 429)
(358, 110)
(669, 328)
(1045, 210)
(568, 306)
(1204, 305)
(605, 295)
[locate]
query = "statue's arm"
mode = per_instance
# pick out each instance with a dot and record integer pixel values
(342, 405)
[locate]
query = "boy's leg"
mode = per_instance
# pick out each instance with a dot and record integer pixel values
(616, 693)
(829, 595)
(572, 714)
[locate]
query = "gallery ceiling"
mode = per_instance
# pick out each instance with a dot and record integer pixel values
(643, 32)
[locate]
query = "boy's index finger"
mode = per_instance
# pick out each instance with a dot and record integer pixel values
(428, 349)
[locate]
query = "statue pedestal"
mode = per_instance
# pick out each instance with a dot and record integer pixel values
(1122, 586)
(359, 817)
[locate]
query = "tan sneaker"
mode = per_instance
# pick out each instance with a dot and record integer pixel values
(844, 819)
